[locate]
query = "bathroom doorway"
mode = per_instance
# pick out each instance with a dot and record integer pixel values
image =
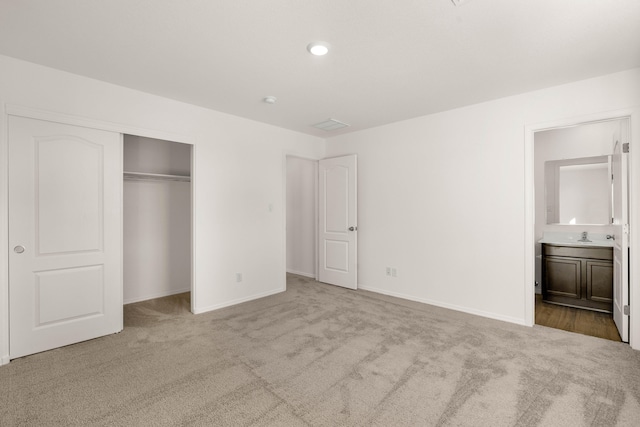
(581, 227)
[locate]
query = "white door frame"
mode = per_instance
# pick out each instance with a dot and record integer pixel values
(39, 114)
(633, 114)
(289, 153)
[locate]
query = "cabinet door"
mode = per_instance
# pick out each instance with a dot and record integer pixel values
(599, 281)
(563, 277)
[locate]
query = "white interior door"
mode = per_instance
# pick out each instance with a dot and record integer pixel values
(65, 234)
(338, 231)
(621, 232)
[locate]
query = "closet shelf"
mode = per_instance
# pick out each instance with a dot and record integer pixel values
(142, 176)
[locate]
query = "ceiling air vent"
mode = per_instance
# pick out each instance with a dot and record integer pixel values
(330, 124)
(459, 2)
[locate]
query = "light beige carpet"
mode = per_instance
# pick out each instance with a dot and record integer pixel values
(320, 355)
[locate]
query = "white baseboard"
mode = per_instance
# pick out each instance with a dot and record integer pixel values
(301, 273)
(237, 301)
(156, 295)
(4, 360)
(445, 305)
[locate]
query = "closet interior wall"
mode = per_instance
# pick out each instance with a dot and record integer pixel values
(157, 218)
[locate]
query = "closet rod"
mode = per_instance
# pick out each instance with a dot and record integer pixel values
(142, 176)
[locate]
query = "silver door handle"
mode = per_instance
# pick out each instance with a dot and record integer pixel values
(18, 249)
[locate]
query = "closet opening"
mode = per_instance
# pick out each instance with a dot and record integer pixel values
(157, 229)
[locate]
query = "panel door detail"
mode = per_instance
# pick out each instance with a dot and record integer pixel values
(65, 274)
(599, 280)
(337, 251)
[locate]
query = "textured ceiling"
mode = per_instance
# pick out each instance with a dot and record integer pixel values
(391, 60)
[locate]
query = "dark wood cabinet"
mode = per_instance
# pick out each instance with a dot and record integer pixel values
(578, 276)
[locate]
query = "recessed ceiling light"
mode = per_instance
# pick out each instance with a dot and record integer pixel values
(270, 99)
(318, 48)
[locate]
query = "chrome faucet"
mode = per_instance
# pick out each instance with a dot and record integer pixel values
(584, 237)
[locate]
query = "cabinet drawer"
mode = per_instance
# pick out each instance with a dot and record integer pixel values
(578, 252)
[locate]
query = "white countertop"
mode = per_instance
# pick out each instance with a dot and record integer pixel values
(574, 239)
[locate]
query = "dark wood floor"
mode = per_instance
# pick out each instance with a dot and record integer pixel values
(577, 320)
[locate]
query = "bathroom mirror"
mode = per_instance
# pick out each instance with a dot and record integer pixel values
(578, 191)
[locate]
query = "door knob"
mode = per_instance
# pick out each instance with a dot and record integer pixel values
(352, 228)
(18, 249)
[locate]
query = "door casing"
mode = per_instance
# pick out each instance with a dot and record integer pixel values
(633, 202)
(284, 225)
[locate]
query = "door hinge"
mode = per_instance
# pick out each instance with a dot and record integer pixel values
(626, 310)
(625, 147)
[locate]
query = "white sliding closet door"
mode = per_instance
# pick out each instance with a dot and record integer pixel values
(65, 228)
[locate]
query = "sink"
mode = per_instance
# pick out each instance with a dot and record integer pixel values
(601, 244)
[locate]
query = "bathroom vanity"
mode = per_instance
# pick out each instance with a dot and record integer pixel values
(578, 274)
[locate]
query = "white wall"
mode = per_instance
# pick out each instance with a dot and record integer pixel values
(301, 216)
(238, 172)
(156, 220)
(442, 197)
(152, 155)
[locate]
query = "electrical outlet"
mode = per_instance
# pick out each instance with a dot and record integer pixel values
(388, 271)
(394, 272)
(238, 277)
